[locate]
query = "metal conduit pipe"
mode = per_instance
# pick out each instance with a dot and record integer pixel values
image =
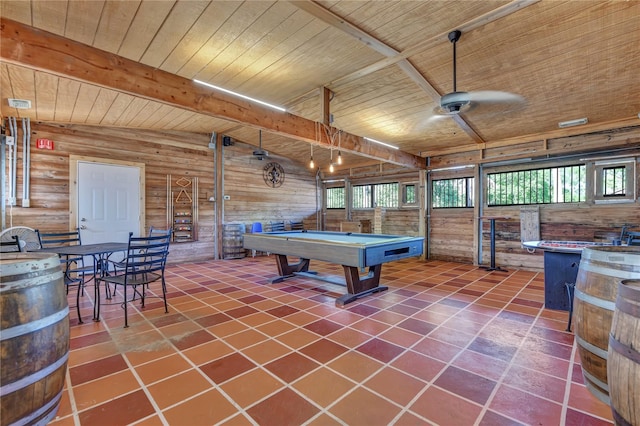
(26, 161)
(318, 194)
(13, 165)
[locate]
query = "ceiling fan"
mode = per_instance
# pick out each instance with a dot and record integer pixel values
(26, 236)
(260, 153)
(457, 102)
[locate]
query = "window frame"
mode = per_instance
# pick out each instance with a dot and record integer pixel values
(469, 187)
(373, 203)
(403, 195)
(584, 185)
(599, 168)
(344, 197)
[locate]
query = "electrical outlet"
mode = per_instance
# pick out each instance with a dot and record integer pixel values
(227, 197)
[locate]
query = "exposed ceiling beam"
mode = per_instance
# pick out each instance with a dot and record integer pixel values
(318, 11)
(428, 43)
(26, 46)
(401, 58)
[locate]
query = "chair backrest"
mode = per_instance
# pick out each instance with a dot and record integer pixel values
(56, 239)
(12, 245)
(147, 254)
(155, 231)
(633, 238)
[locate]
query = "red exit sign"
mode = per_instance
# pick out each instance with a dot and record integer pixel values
(44, 144)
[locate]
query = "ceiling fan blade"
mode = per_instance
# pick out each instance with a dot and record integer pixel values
(494, 96)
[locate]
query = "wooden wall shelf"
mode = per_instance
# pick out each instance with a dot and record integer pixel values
(182, 208)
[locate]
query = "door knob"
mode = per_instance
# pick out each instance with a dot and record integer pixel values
(83, 227)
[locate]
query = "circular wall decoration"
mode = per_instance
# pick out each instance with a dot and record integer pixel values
(273, 174)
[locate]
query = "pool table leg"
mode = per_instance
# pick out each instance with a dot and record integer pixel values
(358, 287)
(287, 271)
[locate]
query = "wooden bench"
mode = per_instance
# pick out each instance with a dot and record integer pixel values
(276, 226)
(296, 226)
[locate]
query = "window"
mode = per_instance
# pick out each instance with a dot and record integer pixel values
(614, 181)
(378, 195)
(410, 195)
(537, 186)
(335, 198)
(385, 195)
(448, 193)
(362, 198)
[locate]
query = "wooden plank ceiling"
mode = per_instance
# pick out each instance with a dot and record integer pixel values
(386, 65)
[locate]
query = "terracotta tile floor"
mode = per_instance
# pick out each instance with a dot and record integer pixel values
(447, 344)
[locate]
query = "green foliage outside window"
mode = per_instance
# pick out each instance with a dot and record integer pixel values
(614, 180)
(335, 198)
(452, 193)
(410, 195)
(377, 195)
(538, 186)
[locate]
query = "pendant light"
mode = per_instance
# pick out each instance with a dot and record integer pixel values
(331, 161)
(339, 153)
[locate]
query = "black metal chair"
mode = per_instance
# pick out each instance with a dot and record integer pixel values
(73, 267)
(12, 246)
(144, 264)
(633, 238)
(159, 232)
(152, 232)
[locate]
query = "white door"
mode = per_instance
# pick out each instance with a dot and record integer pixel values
(108, 202)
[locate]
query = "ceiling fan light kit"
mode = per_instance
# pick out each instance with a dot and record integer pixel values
(454, 103)
(571, 123)
(260, 153)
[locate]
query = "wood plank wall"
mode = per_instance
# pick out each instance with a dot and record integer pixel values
(453, 233)
(175, 153)
(557, 222)
(395, 221)
(252, 200)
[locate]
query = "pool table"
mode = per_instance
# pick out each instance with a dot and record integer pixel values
(351, 250)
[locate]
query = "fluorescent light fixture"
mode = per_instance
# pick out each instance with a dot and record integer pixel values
(466, 166)
(19, 103)
(381, 143)
(239, 95)
(571, 123)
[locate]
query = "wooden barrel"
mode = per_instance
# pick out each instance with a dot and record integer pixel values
(34, 337)
(623, 366)
(233, 240)
(600, 270)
